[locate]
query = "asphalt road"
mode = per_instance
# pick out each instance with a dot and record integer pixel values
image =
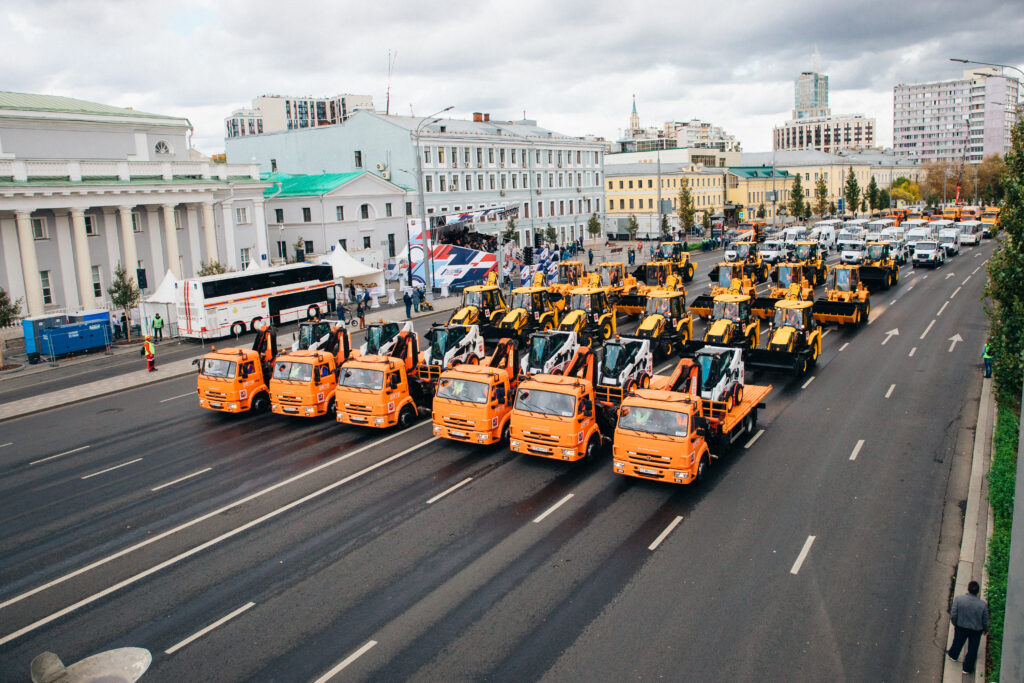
(139, 520)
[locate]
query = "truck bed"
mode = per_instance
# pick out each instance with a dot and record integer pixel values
(714, 411)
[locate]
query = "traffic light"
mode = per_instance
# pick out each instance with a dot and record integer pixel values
(528, 256)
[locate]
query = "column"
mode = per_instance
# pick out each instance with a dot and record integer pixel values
(83, 263)
(192, 217)
(259, 220)
(62, 230)
(29, 264)
(229, 236)
(171, 237)
(156, 249)
(210, 232)
(131, 256)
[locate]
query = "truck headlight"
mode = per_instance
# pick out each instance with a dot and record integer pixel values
(514, 443)
(437, 430)
(619, 465)
(309, 411)
(202, 402)
(233, 406)
(481, 436)
(682, 475)
(378, 420)
(568, 452)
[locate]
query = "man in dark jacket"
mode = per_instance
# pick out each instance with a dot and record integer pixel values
(408, 304)
(969, 615)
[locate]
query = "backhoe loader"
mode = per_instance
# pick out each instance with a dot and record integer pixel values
(846, 301)
(590, 316)
(746, 252)
(789, 282)
(674, 251)
(732, 323)
(482, 305)
(667, 323)
(533, 308)
(809, 254)
(879, 270)
(726, 277)
(794, 339)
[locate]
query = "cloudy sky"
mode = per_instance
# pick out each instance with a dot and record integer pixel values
(572, 65)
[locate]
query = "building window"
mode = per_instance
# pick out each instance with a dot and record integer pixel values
(490, 155)
(631, 203)
(39, 229)
(408, 208)
(391, 236)
(387, 209)
(440, 155)
(241, 215)
(364, 211)
(90, 226)
(426, 155)
(97, 285)
(136, 223)
(366, 242)
(282, 249)
(359, 159)
(44, 280)
(244, 261)
(307, 214)
(429, 184)
(442, 182)
(479, 158)
(162, 148)
(279, 215)
(308, 246)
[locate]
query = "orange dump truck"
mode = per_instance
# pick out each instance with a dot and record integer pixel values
(303, 382)
(669, 433)
(233, 380)
(473, 403)
(382, 391)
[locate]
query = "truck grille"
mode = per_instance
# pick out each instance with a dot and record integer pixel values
(358, 408)
(457, 422)
(540, 438)
(286, 398)
(649, 459)
(220, 395)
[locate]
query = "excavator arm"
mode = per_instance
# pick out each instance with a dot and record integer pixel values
(407, 348)
(685, 378)
(505, 356)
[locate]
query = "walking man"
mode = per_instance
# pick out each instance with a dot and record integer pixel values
(158, 327)
(417, 299)
(986, 355)
(969, 615)
(361, 312)
(149, 351)
(590, 255)
(408, 304)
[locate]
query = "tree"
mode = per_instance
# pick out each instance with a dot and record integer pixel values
(831, 208)
(904, 190)
(852, 192)
(9, 312)
(807, 211)
(761, 211)
(872, 193)
(632, 227)
(821, 196)
(1005, 296)
(884, 201)
(685, 207)
(864, 202)
(124, 293)
(796, 197)
(593, 225)
(990, 179)
(706, 224)
(550, 233)
(932, 200)
(511, 232)
(666, 229)
(213, 267)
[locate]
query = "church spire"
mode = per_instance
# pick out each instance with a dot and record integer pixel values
(634, 118)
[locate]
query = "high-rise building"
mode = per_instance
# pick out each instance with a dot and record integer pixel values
(965, 119)
(811, 96)
(272, 113)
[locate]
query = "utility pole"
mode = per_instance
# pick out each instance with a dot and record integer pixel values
(428, 256)
(659, 192)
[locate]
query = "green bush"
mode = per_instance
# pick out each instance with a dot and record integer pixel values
(1002, 477)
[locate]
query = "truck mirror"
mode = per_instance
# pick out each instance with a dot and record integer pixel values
(588, 411)
(624, 411)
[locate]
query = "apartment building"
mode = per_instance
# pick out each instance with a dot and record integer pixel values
(271, 113)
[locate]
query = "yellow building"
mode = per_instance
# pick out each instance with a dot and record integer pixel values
(748, 187)
(632, 190)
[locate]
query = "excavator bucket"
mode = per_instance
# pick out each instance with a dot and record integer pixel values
(840, 312)
(702, 305)
(764, 307)
(631, 304)
(767, 359)
(875, 277)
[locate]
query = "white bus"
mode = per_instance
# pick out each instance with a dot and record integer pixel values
(230, 304)
(970, 232)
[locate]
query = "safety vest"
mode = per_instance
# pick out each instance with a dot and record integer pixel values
(158, 323)
(985, 354)
(148, 348)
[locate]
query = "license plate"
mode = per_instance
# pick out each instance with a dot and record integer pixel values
(644, 470)
(214, 404)
(538, 449)
(461, 435)
(358, 418)
(290, 410)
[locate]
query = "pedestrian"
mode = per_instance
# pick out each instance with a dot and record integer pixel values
(352, 290)
(361, 313)
(124, 324)
(408, 304)
(590, 255)
(149, 351)
(341, 312)
(969, 615)
(158, 327)
(417, 299)
(986, 355)
(115, 327)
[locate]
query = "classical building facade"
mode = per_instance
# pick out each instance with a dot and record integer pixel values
(634, 190)
(458, 165)
(86, 186)
(748, 188)
(693, 134)
(270, 113)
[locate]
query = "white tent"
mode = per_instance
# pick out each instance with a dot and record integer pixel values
(161, 301)
(347, 269)
(253, 266)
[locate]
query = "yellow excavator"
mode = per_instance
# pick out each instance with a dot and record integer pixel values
(675, 252)
(794, 338)
(746, 252)
(732, 323)
(533, 308)
(482, 305)
(789, 282)
(846, 301)
(590, 315)
(726, 277)
(667, 322)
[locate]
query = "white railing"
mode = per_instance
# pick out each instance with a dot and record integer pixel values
(22, 170)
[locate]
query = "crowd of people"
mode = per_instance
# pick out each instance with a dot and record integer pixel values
(463, 237)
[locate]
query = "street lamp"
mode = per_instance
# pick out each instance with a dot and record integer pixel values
(972, 61)
(428, 257)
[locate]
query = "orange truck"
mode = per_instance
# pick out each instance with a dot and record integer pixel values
(559, 416)
(304, 381)
(382, 391)
(233, 380)
(669, 433)
(473, 403)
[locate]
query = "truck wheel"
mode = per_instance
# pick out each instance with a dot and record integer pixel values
(688, 275)
(667, 349)
(406, 417)
(701, 468)
(260, 403)
(548, 326)
(739, 394)
(506, 432)
(867, 313)
(332, 409)
(590, 454)
(606, 330)
(473, 360)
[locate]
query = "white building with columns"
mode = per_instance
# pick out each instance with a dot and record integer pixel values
(85, 186)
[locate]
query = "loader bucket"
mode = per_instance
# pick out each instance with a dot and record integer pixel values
(782, 361)
(874, 277)
(702, 305)
(764, 307)
(492, 334)
(631, 304)
(841, 312)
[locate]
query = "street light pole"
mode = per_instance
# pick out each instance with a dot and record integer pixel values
(972, 61)
(428, 256)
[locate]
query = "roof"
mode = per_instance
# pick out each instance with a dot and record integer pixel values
(70, 105)
(524, 128)
(307, 185)
(752, 172)
(667, 168)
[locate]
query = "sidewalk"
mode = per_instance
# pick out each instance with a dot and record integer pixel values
(172, 370)
(977, 527)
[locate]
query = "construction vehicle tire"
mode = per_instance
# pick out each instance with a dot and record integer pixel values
(260, 403)
(739, 394)
(591, 452)
(406, 417)
(667, 349)
(688, 275)
(473, 360)
(587, 339)
(701, 467)
(730, 401)
(606, 330)
(866, 313)
(332, 408)
(506, 432)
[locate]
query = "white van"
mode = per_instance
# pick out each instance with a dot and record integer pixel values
(970, 232)
(851, 251)
(825, 236)
(949, 238)
(794, 234)
(856, 225)
(880, 225)
(920, 233)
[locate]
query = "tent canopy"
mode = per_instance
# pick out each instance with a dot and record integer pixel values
(348, 269)
(164, 294)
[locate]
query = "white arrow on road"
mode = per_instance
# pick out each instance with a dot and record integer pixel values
(892, 333)
(949, 275)
(955, 338)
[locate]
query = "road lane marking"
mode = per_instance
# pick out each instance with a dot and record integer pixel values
(664, 534)
(111, 469)
(756, 437)
(802, 556)
(944, 304)
(924, 277)
(825, 333)
(5, 445)
(554, 507)
(912, 352)
(894, 332)
(889, 393)
(208, 544)
(955, 292)
(447, 491)
(345, 662)
(844, 346)
(975, 270)
(860, 444)
(200, 519)
(203, 631)
(174, 398)
(910, 288)
(178, 481)
(928, 329)
(73, 450)
(808, 382)
(965, 280)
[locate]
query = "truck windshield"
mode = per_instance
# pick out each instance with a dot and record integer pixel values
(566, 273)
(785, 276)
(472, 299)
(546, 402)
(654, 421)
(724, 276)
(610, 277)
(462, 390)
(742, 250)
(215, 367)
(361, 378)
(789, 317)
(670, 249)
(580, 301)
(656, 306)
(925, 246)
(295, 372)
(530, 301)
(729, 310)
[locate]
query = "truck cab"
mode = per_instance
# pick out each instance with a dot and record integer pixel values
(303, 384)
(382, 391)
(234, 380)
(473, 403)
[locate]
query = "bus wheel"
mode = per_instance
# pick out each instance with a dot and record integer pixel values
(312, 312)
(254, 325)
(237, 329)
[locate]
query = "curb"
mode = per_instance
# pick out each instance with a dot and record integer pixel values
(966, 569)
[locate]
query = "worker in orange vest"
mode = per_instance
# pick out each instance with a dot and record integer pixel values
(149, 351)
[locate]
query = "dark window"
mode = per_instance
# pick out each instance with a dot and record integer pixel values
(282, 250)
(366, 242)
(307, 214)
(279, 215)
(364, 211)
(249, 282)
(387, 209)
(391, 245)
(359, 159)
(408, 208)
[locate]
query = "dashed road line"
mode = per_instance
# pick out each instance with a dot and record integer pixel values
(844, 346)
(975, 270)
(912, 352)
(825, 333)
(447, 491)
(965, 280)
(111, 469)
(808, 382)
(889, 393)
(944, 304)
(5, 445)
(955, 292)
(203, 631)
(345, 662)
(927, 329)
(802, 556)
(174, 398)
(664, 534)
(554, 507)
(756, 437)
(860, 443)
(59, 455)
(181, 479)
